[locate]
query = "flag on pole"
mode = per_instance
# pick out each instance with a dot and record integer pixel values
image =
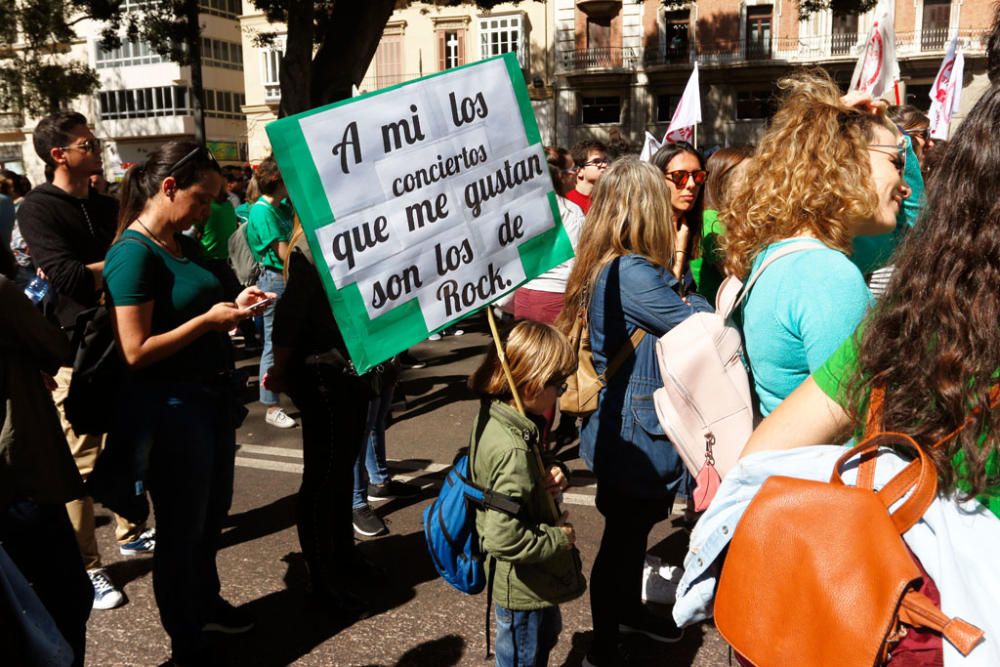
(649, 147)
(877, 71)
(946, 93)
(688, 112)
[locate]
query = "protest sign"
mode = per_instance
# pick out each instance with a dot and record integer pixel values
(422, 203)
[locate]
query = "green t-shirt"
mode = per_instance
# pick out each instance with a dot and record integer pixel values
(215, 233)
(705, 269)
(833, 378)
(269, 224)
(137, 270)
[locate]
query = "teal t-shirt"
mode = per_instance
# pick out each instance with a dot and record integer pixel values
(137, 271)
(269, 223)
(215, 233)
(873, 252)
(799, 311)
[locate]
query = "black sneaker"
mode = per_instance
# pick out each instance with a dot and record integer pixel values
(228, 619)
(407, 360)
(367, 523)
(655, 627)
(392, 489)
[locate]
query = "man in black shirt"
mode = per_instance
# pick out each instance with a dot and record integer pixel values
(68, 228)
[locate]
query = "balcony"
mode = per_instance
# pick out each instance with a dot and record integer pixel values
(272, 93)
(600, 59)
(599, 8)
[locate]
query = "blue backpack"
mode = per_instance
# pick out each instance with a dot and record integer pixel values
(450, 527)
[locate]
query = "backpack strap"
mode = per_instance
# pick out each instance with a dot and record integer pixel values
(917, 610)
(489, 599)
(726, 309)
(623, 354)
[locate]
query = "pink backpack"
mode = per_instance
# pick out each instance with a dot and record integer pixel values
(705, 405)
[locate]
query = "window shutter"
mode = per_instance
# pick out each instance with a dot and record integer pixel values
(461, 47)
(442, 51)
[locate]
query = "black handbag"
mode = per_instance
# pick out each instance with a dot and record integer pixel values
(98, 374)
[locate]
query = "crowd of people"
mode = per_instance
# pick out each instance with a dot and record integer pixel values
(886, 277)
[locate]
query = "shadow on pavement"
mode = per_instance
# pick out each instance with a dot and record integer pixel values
(405, 556)
(259, 522)
(125, 571)
(442, 652)
(642, 651)
(426, 401)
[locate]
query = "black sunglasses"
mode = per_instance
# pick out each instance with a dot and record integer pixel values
(190, 156)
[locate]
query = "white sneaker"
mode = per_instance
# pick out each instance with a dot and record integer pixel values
(434, 336)
(279, 419)
(106, 596)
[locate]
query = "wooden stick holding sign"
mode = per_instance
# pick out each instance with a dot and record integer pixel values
(502, 355)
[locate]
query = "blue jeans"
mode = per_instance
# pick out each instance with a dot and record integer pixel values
(370, 464)
(525, 638)
(269, 281)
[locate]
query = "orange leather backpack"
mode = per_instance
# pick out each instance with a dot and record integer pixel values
(818, 574)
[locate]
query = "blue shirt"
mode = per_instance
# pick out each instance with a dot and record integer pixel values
(800, 310)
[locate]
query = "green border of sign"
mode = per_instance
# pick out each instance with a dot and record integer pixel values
(306, 192)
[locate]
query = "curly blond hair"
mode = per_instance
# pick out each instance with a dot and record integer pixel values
(815, 176)
(630, 214)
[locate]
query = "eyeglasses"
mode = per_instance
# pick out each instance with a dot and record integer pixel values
(190, 156)
(924, 133)
(898, 155)
(87, 146)
(680, 178)
(598, 162)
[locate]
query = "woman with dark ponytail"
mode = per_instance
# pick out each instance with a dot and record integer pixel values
(170, 321)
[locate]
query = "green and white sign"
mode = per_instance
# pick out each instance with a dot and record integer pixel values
(422, 203)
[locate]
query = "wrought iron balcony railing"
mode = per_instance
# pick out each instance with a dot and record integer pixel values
(602, 58)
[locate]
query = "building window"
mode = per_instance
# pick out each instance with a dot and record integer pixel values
(502, 34)
(224, 104)
(845, 34)
(600, 110)
(755, 105)
(129, 53)
(387, 67)
(451, 48)
(665, 106)
(143, 103)
(937, 18)
(217, 53)
(678, 35)
(758, 32)
(230, 9)
(919, 95)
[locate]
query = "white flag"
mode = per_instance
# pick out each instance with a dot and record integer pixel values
(946, 93)
(877, 70)
(688, 112)
(649, 147)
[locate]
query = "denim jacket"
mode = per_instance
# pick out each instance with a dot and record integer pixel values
(622, 442)
(956, 542)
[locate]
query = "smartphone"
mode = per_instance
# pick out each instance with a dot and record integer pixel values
(260, 305)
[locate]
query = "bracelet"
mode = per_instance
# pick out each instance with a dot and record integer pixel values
(680, 252)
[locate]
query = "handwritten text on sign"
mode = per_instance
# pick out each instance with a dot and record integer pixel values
(433, 188)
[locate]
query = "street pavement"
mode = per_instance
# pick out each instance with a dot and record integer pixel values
(429, 624)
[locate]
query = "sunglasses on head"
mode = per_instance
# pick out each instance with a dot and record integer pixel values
(680, 178)
(923, 133)
(190, 156)
(898, 154)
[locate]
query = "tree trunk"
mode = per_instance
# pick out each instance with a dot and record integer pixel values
(295, 74)
(192, 35)
(355, 29)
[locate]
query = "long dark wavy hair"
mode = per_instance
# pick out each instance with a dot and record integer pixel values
(186, 161)
(660, 160)
(934, 343)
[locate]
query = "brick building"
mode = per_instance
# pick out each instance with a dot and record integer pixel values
(623, 64)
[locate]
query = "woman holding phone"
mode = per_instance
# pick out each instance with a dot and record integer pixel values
(171, 323)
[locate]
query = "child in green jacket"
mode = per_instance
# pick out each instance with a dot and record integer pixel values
(537, 566)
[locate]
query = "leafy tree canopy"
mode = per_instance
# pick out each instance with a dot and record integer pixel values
(35, 76)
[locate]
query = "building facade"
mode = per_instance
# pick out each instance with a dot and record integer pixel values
(144, 100)
(419, 39)
(623, 65)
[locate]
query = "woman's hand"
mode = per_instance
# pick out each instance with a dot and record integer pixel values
(252, 295)
(224, 316)
(567, 528)
(864, 102)
(556, 481)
